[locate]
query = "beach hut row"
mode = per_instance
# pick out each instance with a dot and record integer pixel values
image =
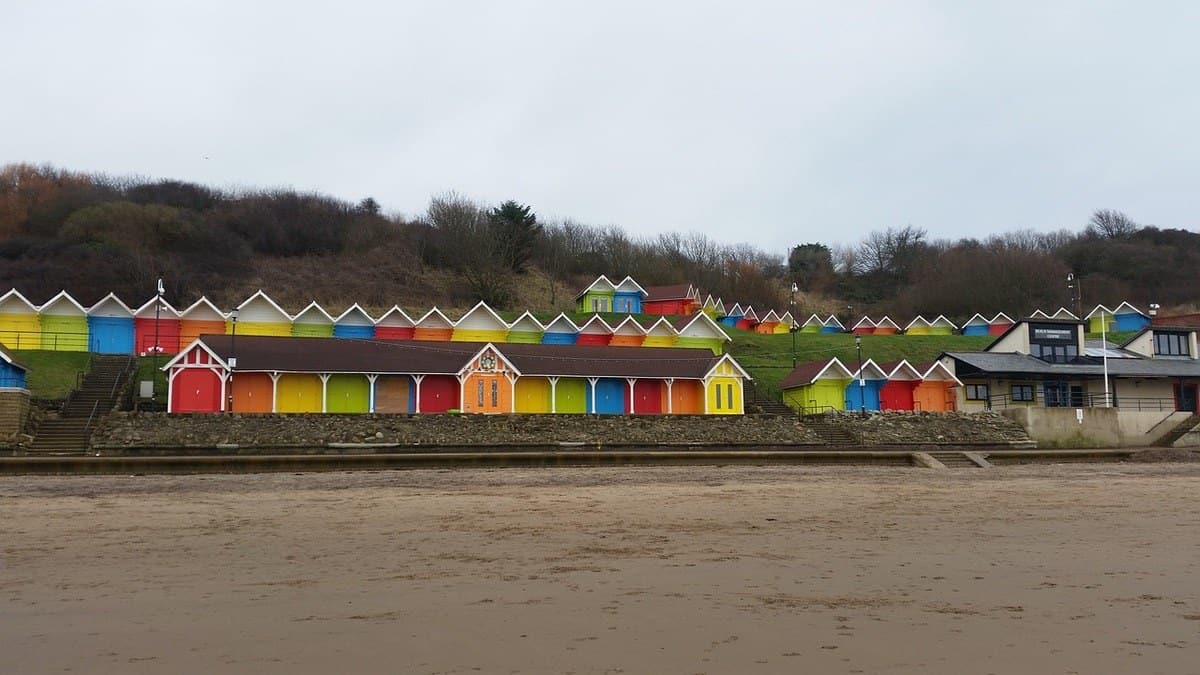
(604, 296)
(110, 326)
(819, 386)
(265, 374)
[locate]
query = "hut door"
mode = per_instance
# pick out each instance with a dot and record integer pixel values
(1185, 397)
(489, 393)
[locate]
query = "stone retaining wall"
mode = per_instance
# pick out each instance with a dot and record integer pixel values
(157, 430)
(16, 417)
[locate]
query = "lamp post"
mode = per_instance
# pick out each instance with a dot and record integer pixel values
(862, 388)
(154, 372)
(794, 328)
(1076, 293)
(233, 317)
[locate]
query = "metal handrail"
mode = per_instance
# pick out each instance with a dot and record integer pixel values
(1085, 401)
(87, 426)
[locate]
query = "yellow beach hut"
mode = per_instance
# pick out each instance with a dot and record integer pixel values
(701, 331)
(480, 324)
(786, 323)
(20, 326)
(260, 315)
(661, 334)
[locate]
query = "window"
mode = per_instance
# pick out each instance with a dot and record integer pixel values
(495, 393)
(1171, 344)
(479, 392)
(1055, 353)
(718, 397)
(977, 392)
(729, 393)
(1022, 392)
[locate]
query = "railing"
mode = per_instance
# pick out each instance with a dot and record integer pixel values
(53, 340)
(95, 406)
(1002, 401)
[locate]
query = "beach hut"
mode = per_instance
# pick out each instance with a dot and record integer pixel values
(749, 319)
(942, 326)
(732, 317)
(312, 321)
(936, 392)
(701, 332)
(1101, 315)
(480, 324)
(886, 326)
(488, 383)
(709, 307)
(674, 300)
(594, 332)
(12, 371)
(1130, 318)
(902, 381)
(354, 323)
(832, 325)
(434, 327)
(628, 333)
(862, 393)
(201, 318)
(999, 324)
(259, 315)
(786, 323)
(816, 386)
(813, 324)
(597, 297)
(1064, 313)
(628, 296)
(110, 327)
(394, 325)
(561, 331)
(20, 325)
(768, 323)
(1039, 314)
(918, 326)
(864, 326)
(661, 334)
(64, 324)
(156, 328)
(976, 325)
(526, 330)
(719, 311)
(723, 388)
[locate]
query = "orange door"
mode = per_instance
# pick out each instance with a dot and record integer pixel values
(487, 393)
(252, 393)
(687, 397)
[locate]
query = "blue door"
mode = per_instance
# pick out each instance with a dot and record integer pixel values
(610, 396)
(110, 335)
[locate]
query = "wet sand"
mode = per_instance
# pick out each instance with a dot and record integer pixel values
(1025, 569)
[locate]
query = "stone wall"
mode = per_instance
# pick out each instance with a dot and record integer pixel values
(148, 431)
(1094, 427)
(15, 416)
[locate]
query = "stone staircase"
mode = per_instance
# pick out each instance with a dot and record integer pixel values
(70, 432)
(830, 430)
(954, 459)
(769, 407)
(1182, 429)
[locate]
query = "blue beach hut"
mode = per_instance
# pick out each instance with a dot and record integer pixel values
(1130, 318)
(607, 396)
(976, 325)
(12, 372)
(863, 390)
(110, 327)
(354, 323)
(560, 331)
(733, 316)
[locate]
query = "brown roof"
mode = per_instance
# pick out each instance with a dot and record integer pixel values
(11, 358)
(660, 293)
(340, 355)
(804, 374)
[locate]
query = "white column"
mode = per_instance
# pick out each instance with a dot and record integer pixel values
(592, 383)
(417, 394)
(512, 390)
(170, 385)
(224, 396)
(704, 395)
(371, 393)
(274, 392)
(632, 406)
(324, 392)
(462, 394)
(553, 394)
(670, 403)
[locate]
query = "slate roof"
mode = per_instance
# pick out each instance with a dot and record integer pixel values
(1011, 363)
(806, 373)
(675, 292)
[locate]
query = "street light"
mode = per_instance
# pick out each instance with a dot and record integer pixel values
(233, 317)
(794, 328)
(154, 372)
(862, 388)
(1076, 292)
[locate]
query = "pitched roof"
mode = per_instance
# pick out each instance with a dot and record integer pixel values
(395, 318)
(601, 284)
(434, 319)
(562, 324)
(261, 298)
(863, 322)
(1063, 313)
(9, 357)
(977, 320)
(901, 370)
(888, 322)
(313, 314)
(736, 310)
(63, 298)
(771, 317)
(814, 320)
(673, 292)
(596, 326)
(1130, 309)
(833, 321)
(1001, 318)
(629, 326)
(527, 323)
(1098, 310)
(165, 310)
(871, 371)
(202, 310)
(14, 297)
(700, 325)
(918, 321)
(662, 327)
(481, 317)
(354, 316)
(807, 373)
(941, 320)
(628, 285)
(787, 319)
(110, 305)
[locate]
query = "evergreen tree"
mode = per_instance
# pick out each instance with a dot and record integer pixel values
(515, 233)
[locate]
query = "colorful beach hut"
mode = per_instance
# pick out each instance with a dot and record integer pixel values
(156, 327)
(719, 312)
(832, 325)
(942, 326)
(886, 326)
(595, 332)
(12, 371)
(816, 386)
(1130, 318)
(661, 334)
(561, 331)
(64, 324)
(394, 325)
(110, 327)
(1039, 314)
(701, 332)
(354, 323)
(812, 324)
(918, 326)
(936, 392)
(434, 327)
(862, 393)
(20, 325)
(786, 323)
(260, 315)
(628, 333)
(1064, 313)
(674, 300)
(597, 297)
(732, 317)
(709, 307)
(628, 297)
(999, 324)
(902, 380)
(976, 325)
(312, 321)
(749, 319)
(768, 323)
(864, 326)
(480, 324)
(201, 318)
(526, 330)
(1101, 320)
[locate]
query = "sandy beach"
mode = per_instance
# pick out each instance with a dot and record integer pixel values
(1023, 569)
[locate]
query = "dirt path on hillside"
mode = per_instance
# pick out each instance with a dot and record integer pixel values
(1049, 569)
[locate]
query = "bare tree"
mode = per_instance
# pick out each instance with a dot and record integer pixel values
(1111, 224)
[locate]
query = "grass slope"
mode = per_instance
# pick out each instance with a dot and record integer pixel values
(52, 374)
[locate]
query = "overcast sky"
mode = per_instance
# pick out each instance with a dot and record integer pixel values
(771, 123)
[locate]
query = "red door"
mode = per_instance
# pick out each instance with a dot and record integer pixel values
(439, 393)
(647, 397)
(897, 395)
(196, 390)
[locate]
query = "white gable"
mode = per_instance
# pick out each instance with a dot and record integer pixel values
(481, 317)
(833, 321)
(814, 320)
(314, 314)
(434, 319)
(202, 310)
(1126, 308)
(662, 328)
(62, 305)
(629, 327)
(165, 310)
(395, 318)
(771, 317)
(628, 285)
(596, 326)
(864, 322)
(1001, 318)
(562, 324)
(941, 320)
(905, 371)
(871, 371)
(354, 316)
(110, 306)
(702, 326)
(977, 320)
(885, 321)
(917, 322)
(527, 323)
(1098, 310)
(261, 308)
(13, 302)
(1064, 313)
